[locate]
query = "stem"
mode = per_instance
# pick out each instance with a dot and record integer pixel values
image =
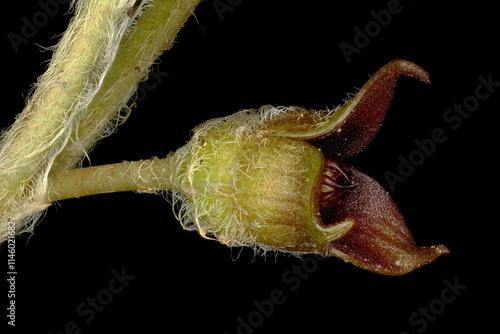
(80, 60)
(154, 32)
(145, 175)
(95, 68)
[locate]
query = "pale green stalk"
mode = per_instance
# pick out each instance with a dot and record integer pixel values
(143, 176)
(154, 32)
(94, 70)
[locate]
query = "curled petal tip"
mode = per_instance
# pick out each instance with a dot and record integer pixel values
(359, 120)
(395, 260)
(404, 67)
(418, 257)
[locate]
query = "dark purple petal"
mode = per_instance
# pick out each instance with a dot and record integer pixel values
(379, 241)
(360, 119)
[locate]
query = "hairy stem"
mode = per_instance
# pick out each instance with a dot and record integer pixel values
(153, 33)
(60, 96)
(95, 68)
(145, 176)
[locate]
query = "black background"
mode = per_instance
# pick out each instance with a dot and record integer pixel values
(279, 53)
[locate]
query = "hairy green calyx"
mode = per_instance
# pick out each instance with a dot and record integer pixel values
(245, 187)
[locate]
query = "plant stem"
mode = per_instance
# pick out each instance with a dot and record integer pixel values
(59, 99)
(145, 176)
(107, 49)
(153, 33)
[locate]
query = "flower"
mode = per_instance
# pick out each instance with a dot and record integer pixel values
(273, 179)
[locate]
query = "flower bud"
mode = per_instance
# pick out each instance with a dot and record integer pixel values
(273, 179)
